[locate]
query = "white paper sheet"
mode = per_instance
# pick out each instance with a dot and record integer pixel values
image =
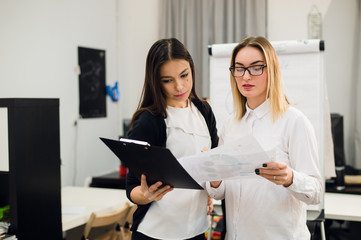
(237, 159)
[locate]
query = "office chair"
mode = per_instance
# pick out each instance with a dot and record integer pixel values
(112, 225)
(127, 224)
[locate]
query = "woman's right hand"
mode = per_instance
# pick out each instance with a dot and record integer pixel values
(154, 192)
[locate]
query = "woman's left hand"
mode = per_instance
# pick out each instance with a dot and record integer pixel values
(277, 172)
(210, 205)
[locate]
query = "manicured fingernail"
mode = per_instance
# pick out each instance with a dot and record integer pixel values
(264, 165)
(257, 171)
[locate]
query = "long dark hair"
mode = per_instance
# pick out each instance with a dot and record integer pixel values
(153, 98)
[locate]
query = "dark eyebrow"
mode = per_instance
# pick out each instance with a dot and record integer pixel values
(253, 63)
(179, 74)
(183, 71)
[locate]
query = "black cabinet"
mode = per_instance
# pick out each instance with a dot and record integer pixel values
(33, 180)
(110, 180)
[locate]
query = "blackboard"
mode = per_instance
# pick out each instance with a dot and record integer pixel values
(92, 101)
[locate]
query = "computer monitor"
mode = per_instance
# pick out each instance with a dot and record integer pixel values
(339, 152)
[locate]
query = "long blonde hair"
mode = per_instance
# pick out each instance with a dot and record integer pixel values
(278, 100)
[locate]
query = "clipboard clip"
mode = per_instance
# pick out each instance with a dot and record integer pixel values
(134, 141)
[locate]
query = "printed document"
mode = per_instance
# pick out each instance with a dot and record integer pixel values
(237, 159)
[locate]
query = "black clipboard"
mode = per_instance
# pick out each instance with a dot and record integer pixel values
(157, 163)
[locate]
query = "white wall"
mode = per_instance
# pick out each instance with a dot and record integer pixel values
(287, 20)
(38, 55)
(139, 28)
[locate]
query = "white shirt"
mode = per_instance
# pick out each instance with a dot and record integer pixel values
(181, 213)
(257, 208)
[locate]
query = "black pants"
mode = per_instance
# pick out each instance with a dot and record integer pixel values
(139, 236)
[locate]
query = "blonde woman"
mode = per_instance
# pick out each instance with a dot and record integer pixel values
(272, 205)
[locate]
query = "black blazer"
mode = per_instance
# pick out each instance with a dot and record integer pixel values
(152, 129)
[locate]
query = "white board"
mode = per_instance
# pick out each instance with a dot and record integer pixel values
(302, 66)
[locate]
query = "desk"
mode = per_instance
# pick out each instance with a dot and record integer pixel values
(338, 206)
(341, 206)
(84, 201)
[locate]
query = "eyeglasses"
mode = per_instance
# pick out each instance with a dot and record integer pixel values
(255, 70)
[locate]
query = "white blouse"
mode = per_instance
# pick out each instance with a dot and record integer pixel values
(181, 213)
(257, 208)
